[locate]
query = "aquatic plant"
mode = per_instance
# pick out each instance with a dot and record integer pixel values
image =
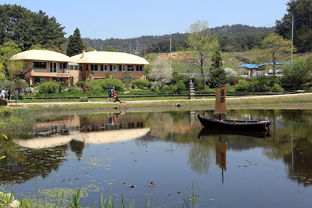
(17, 121)
(5, 137)
(6, 199)
(75, 202)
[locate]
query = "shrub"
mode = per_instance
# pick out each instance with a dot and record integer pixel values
(84, 99)
(109, 83)
(261, 84)
(243, 86)
(140, 83)
(140, 92)
(104, 84)
(297, 75)
(81, 83)
(277, 88)
(49, 87)
(179, 88)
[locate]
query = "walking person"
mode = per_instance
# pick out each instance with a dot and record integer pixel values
(9, 94)
(3, 92)
(109, 92)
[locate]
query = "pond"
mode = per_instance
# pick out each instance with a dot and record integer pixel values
(163, 158)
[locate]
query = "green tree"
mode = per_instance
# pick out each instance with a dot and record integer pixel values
(297, 75)
(75, 45)
(10, 68)
(27, 28)
(275, 45)
(301, 10)
(216, 73)
(201, 41)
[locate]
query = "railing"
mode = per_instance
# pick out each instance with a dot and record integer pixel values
(66, 71)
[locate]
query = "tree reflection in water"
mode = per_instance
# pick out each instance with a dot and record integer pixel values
(290, 141)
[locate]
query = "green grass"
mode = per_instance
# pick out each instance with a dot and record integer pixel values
(207, 102)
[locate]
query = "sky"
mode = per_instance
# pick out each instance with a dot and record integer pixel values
(133, 18)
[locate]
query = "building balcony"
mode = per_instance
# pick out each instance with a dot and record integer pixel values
(47, 73)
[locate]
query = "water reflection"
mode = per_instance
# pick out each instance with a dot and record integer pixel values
(83, 130)
(199, 150)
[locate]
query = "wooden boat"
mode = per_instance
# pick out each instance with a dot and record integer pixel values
(247, 125)
(242, 125)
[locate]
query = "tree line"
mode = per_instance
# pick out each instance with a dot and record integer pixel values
(231, 37)
(27, 28)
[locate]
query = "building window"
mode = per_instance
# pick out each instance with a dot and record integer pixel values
(39, 65)
(112, 67)
(122, 67)
(94, 67)
(104, 67)
(63, 65)
(139, 68)
(130, 68)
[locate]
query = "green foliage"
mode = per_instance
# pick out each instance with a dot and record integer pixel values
(297, 75)
(49, 87)
(84, 99)
(201, 41)
(29, 28)
(81, 83)
(231, 37)
(216, 73)
(105, 84)
(179, 88)
(2, 76)
(301, 10)
(243, 86)
(277, 88)
(140, 84)
(110, 49)
(243, 42)
(6, 199)
(275, 45)
(10, 68)
(75, 202)
(17, 83)
(140, 92)
(258, 84)
(75, 45)
(163, 46)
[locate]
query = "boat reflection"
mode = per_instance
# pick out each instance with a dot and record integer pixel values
(210, 132)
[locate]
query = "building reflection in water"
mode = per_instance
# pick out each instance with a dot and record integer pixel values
(78, 131)
(55, 135)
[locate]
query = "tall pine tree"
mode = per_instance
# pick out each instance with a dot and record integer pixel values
(216, 73)
(301, 10)
(27, 28)
(75, 45)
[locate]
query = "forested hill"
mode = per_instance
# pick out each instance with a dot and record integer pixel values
(239, 30)
(232, 38)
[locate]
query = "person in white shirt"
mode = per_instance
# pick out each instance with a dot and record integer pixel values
(3, 92)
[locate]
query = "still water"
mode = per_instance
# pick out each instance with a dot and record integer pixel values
(164, 158)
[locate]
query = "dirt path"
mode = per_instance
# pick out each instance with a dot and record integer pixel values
(47, 104)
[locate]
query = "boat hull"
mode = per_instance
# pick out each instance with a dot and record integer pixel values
(262, 126)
